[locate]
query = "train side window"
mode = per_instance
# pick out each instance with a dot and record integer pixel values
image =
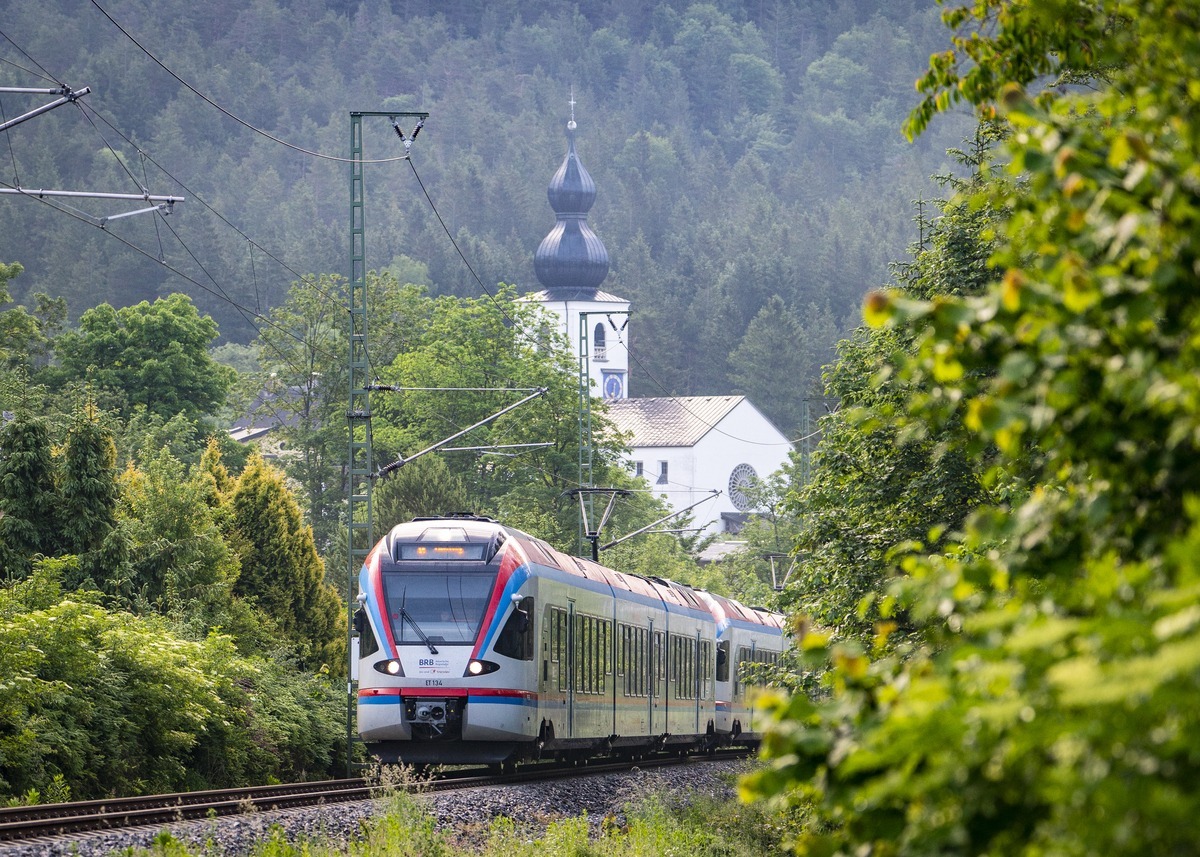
(682, 666)
(555, 635)
(595, 655)
(706, 668)
(367, 644)
(580, 653)
(589, 654)
(560, 646)
(606, 657)
(638, 686)
(657, 667)
(623, 653)
(515, 639)
(693, 665)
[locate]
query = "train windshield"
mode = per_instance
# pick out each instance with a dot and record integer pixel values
(444, 607)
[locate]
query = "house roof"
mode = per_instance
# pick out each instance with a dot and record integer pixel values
(674, 421)
(269, 410)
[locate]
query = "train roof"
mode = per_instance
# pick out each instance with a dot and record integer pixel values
(471, 529)
(724, 608)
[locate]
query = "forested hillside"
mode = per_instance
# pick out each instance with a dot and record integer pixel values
(743, 152)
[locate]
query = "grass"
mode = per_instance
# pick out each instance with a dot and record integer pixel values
(654, 823)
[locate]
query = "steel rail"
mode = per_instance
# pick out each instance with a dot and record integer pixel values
(42, 821)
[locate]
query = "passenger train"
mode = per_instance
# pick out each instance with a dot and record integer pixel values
(479, 643)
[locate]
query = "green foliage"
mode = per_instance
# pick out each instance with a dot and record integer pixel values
(27, 499)
(101, 698)
(105, 703)
(180, 560)
(88, 502)
(1048, 706)
(96, 701)
(145, 434)
(485, 343)
(303, 379)
(877, 483)
(423, 487)
(25, 335)
(783, 343)
(281, 572)
(152, 355)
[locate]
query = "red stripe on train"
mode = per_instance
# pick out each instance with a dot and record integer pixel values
(446, 692)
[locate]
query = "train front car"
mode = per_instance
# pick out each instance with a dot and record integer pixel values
(446, 644)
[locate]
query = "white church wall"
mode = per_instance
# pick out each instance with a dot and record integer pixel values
(744, 437)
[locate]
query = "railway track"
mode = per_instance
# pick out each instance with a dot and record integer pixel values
(42, 822)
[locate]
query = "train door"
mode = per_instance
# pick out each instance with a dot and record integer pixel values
(697, 680)
(558, 669)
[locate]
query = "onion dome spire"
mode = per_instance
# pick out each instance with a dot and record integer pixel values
(571, 258)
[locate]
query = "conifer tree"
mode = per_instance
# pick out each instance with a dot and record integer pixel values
(88, 503)
(214, 472)
(424, 487)
(27, 516)
(281, 571)
(873, 485)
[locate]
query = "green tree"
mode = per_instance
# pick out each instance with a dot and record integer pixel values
(180, 561)
(153, 355)
(1049, 707)
(28, 514)
(779, 343)
(303, 354)
(281, 572)
(25, 336)
(876, 483)
(488, 345)
(424, 487)
(96, 703)
(88, 503)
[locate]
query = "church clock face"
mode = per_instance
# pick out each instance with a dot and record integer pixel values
(739, 483)
(612, 386)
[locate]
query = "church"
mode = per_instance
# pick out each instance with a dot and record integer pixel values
(698, 452)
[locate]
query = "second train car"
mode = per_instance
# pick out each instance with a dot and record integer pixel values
(479, 643)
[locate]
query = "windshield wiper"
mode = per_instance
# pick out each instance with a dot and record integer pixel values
(404, 614)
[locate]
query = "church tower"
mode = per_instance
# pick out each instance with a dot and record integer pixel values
(571, 264)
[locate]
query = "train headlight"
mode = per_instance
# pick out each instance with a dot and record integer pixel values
(477, 667)
(390, 667)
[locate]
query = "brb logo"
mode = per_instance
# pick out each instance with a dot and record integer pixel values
(425, 662)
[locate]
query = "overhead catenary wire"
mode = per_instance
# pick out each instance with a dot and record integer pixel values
(11, 152)
(225, 112)
(85, 218)
(88, 115)
(42, 72)
(218, 291)
(304, 279)
(407, 142)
